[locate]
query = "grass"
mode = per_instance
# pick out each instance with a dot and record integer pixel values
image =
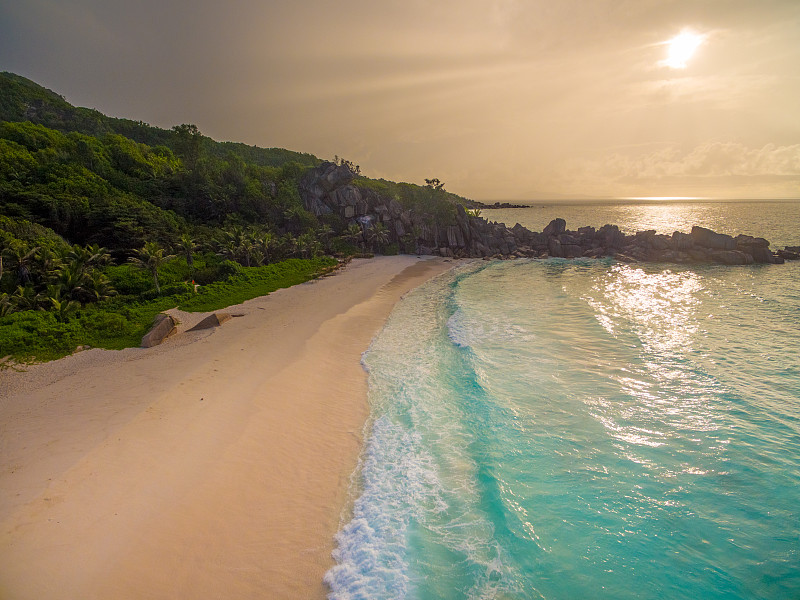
(37, 336)
(255, 281)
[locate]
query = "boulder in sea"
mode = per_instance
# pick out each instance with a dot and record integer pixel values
(731, 257)
(212, 320)
(711, 239)
(555, 227)
(554, 248)
(790, 253)
(163, 327)
(682, 241)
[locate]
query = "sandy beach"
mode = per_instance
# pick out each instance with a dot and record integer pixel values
(216, 465)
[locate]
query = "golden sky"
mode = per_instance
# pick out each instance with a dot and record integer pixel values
(500, 99)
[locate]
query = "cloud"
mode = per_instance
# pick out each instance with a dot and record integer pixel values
(720, 169)
(500, 98)
(716, 159)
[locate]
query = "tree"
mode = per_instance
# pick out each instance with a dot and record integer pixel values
(356, 234)
(71, 278)
(324, 233)
(150, 258)
(379, 236)
(6, 306)
(187, 245)
(307, 244)
(99, 287)
(416, 231)
(435, 184)
(61, 307)
(267, 244)
(350, 165)
(25, 298)
(21, 257)
(188, 144)
(297, 219)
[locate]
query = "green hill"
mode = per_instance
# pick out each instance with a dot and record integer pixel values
(23, 100)
(106, 221)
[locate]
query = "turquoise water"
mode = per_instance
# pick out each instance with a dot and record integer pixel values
(577, 429)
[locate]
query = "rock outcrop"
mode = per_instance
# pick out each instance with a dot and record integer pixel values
(212, 320)
(163, 327)
(330, 189)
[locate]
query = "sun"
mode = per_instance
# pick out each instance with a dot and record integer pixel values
(681, 48)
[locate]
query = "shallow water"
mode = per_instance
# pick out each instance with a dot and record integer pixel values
(582, 429)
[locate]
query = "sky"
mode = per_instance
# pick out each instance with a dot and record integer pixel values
(499, 99)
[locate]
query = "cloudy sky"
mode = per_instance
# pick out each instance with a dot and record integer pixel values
(500, 99)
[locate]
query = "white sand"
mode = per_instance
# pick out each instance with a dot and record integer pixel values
(213, 466)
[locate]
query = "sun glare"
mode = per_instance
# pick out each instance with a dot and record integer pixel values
(681, 48)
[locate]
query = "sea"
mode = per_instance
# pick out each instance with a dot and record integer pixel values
(579, 429)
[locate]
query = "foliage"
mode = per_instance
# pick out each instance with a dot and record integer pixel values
(24, 100)
(122, 321)
(438, 204)
(104, 222)
(256, 281)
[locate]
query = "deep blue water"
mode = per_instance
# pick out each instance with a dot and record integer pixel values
(584, 429)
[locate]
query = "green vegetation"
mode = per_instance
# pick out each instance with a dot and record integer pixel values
(121, 322)
(104, 222)
(432, 200)
(254, 282)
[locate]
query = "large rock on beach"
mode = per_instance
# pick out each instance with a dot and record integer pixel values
(212, 320)
(163, 327)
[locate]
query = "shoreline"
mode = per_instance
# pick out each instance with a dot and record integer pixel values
(214, 465)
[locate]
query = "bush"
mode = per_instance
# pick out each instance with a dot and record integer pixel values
(129, 280)
(252, 282)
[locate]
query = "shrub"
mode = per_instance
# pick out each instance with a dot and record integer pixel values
(129, 280)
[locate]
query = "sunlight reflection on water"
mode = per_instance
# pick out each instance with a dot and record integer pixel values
(775, 220)
(661, 307)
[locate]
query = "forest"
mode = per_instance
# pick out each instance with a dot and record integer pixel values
(104, 222)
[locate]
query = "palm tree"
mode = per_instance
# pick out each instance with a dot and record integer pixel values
(355, 234)
(61, 307)
(25, 298)
(239, 244)
(379, 236)
(307, 244)
(150, 258)
(287, 245)
(267, 244)
(98, 286)
(48, 262)
(22, 256)
(251, 246)
(473, 212)
(6, 306)
(416, 231)
(98, 256)
(71, 278)
(83, 258)
(295, 217)
(187, 245)
(324, 233)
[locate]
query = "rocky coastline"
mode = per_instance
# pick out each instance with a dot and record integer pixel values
(330, 189)
(484, 206)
